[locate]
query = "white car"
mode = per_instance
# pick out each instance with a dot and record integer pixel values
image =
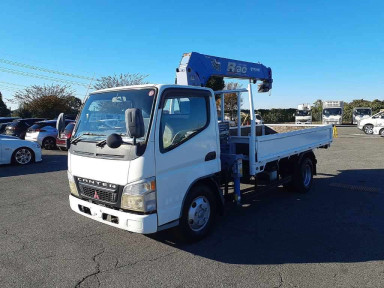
(44, 133)
(258, 119)
(368, 124)
(379, 130)
(13, 150)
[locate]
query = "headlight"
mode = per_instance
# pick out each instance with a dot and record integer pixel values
(140, 196)
(72, 184)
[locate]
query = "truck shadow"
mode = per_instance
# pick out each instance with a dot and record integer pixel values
(340, 220)
(50, 163)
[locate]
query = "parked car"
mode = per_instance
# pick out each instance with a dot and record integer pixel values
(7, 119)
(2, 127)
(63, 141)
(379, 130)
(258, 119)
(44, 133)
(19, 127)
(16, 151)
(368, 124)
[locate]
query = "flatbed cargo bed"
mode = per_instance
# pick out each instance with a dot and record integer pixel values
(276, 141)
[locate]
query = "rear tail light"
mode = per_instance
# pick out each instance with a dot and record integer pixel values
(37, 130)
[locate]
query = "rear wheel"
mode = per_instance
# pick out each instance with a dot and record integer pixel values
(381, 132)
(368, 129)
(49, 143)
(22, 156)
(302, 176)
(198, 214)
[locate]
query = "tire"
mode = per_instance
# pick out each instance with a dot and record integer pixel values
(368, 129)
(49, 143)
(303, 176)
(198, 215)
(381, 132)
(23, 156)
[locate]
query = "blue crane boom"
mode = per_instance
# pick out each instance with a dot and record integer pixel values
(195, 69)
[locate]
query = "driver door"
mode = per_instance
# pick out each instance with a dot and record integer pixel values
(186, 133)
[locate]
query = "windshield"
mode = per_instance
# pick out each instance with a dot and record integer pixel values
(362, 112)
(303, 112)
(104, 113)
(332, 111)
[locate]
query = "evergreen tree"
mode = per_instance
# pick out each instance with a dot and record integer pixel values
(4, 111)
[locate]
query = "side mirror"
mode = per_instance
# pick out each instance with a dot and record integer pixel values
(134, 123)
(60, 124)
(114, 141)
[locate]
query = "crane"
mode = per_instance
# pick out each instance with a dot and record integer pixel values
(195, 69)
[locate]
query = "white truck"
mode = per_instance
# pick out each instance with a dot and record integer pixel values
(303, 114)
(333, 112)
(167, 161)
(360, 113)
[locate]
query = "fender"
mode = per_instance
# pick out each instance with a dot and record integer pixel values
(311, 155)
(211, 181)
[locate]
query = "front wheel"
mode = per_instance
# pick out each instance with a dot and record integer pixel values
(381, 132)
(49, 143)
(198, 214)
(368, 129)
(22, 156)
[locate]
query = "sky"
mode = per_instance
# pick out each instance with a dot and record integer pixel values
(329, 50)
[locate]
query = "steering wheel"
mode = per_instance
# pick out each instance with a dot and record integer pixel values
(179, 137)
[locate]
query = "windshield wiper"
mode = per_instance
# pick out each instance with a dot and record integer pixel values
(101, 143)
(79, 138)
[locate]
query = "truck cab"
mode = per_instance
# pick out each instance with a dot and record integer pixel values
(179, 123)
(360, 113)
(303, 114)
(333, 112)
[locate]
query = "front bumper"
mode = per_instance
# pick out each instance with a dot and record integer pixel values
(37, 155)
(144, 224)
(31, 138)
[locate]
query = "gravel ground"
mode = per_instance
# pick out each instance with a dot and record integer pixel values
(330, 237)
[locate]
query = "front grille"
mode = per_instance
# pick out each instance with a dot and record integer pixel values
(98, 193)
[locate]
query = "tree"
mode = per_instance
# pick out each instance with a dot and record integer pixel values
(4, 111)
(47, 101)
(215, 83)
(230, 100)
(317, 110)
(22, 112)
(277, 115)
(120, 80)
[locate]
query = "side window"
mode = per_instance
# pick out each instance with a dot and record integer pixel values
(182, 118)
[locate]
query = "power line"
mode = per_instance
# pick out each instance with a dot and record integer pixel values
(23, 65)
(3, 69)
(13, 84)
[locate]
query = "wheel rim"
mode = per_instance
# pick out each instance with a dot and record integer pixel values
(48, 144)
(199, 213)
(307, 175)
(23, 156)
(369, 129)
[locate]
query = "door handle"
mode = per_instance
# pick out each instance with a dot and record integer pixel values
(210, 156)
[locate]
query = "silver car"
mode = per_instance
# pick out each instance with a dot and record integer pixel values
(44, 133)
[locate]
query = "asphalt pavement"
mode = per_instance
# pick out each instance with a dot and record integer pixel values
(331, 237)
